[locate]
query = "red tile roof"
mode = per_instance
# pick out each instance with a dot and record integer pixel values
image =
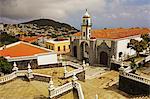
(116, 33)
(29, 39)
(21, 49)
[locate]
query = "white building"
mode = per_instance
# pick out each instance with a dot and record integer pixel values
(98, 46)
(23, 53)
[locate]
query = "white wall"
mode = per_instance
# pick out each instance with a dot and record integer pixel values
(1, 27)
(122, 47)
(47, 59)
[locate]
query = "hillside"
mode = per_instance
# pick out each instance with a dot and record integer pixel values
(49, 22)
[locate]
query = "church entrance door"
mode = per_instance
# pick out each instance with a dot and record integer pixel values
(104, 58)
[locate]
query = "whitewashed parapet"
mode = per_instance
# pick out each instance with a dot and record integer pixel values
(75, 65)
(135, 77)
(21, 73)
(42, 75)
(8, 77)
(79, 90)
(12, 76)
(147, 58)
(76, 71)
(59, 90)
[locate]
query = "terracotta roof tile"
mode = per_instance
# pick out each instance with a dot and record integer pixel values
(116, 33)
(29, 39)
(21, 49)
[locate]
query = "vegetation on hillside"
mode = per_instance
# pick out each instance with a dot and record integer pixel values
(7, 39)
(49, 22)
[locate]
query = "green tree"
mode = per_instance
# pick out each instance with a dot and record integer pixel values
(7, 39)
(135, 45)
(146, 40)
(145, 37)
(5, 66)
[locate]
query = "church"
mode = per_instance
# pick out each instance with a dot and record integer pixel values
(97, 47)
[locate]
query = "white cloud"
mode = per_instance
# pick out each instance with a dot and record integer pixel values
(105, 12)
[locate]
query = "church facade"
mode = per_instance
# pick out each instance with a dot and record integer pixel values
(97, 47)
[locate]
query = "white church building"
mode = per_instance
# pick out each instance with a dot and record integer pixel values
(98, 46)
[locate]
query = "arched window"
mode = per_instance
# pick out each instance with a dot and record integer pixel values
(83, 33)
(120, 54)
(83, 21)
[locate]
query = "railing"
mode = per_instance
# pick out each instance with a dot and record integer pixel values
(64, 88)
(12, 76)
(135, 77)
(76, 71)
(8, 77)
(128, 69)
(147, 58)
(75, 65)
(21, 73)
(59, 90)
(41, 77)
(79, 90)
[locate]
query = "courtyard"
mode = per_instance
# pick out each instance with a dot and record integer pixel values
(21, 89)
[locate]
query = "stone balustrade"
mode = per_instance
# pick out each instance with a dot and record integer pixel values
(21, 73)
(76, 71)
(75, 65)
(79, 90)
(147, 58)
(136, 77)
(64, 88)
(59, 90)
(7, 77)
(41, 77)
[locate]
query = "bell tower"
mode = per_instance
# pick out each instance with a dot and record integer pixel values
(86, 26)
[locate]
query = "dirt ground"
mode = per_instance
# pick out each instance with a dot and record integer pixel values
(102, 85)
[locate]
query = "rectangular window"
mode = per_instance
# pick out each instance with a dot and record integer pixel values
(69, 46)
(64, 48)
(52, 47)
(58, 48)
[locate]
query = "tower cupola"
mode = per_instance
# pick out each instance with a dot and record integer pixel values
(86, 26)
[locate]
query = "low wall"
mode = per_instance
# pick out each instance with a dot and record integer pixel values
(133, 87)
(22, 65)
(115, 67)
(41, 77)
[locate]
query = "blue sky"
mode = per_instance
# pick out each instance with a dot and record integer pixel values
(104, 13)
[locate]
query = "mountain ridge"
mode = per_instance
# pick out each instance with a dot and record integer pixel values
(50, 22)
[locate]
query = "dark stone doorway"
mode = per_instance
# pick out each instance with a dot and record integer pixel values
(104, 58)
(75, 51)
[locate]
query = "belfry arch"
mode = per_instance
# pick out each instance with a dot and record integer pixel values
(84, 51)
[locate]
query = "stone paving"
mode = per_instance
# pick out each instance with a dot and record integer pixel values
(92, 72)
(100, 86)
